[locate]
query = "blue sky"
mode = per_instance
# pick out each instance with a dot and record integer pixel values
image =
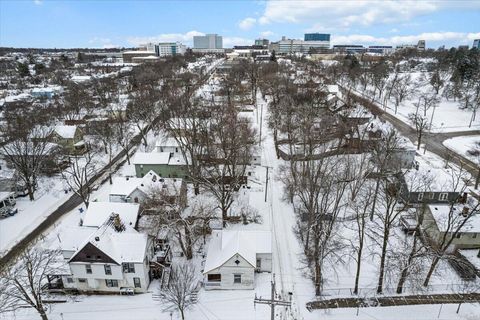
(108, 23)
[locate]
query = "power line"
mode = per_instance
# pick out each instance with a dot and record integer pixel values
(272, 302)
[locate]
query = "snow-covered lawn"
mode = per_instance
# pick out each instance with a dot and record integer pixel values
(462, 145)
(447, 117)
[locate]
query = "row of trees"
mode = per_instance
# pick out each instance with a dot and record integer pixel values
(349, 205)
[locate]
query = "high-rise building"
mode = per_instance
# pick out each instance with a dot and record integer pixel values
(317, 37)
(421, 45)
(262, 42)
(208, 41)
(163, 49)
(476, 43)
(292, 45)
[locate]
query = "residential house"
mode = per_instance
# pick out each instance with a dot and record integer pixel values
(426, 184)
(69, 137)
(234, 257)
(132, 189)
(165, 164)
(46, 92)
(113, 258)
(98, 212)
(443, 220)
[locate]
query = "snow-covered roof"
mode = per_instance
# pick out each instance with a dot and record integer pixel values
(332, 88)
(66, 132)
(5, 195)
(430, 179)
(98, 212)
(139, 52)
(225, 244)
(72, 237)
(125, 187)
(80, 78)
(123, 246)
(446, 214)
(50, 89)
(151, 158)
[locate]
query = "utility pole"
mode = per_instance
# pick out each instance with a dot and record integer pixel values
(266, 185)
(272, 302)
(261, 124)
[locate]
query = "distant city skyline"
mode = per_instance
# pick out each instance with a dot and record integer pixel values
(106, 24)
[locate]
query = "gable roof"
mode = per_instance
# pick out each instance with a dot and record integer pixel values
(98, 212)
(66, 132)
(151, 158)
(124, 187)
(225, 244)
(113, 246)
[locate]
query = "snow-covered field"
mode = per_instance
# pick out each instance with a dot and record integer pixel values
(447, 117)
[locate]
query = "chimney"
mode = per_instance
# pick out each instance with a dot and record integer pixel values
(118, 224)
(465, 212)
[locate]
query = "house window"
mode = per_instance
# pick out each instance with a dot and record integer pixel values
(443, 196)
(420, 196)
(128, 268)
(216, 277)
(82, 280)
(459, 235)
(111, 283)
(237, 278)
(69, 280)
(88, 268)
(136, 283)
(474, 235)
(431, 195)
(108, 269)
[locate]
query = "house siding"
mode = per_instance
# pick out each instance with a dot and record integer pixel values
(163, 170)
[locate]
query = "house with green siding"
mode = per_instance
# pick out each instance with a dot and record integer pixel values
(165, 164)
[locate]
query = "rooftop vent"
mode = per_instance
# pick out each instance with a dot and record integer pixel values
(97, 238)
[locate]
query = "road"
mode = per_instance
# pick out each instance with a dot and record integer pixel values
(433, 141)
(287, 252)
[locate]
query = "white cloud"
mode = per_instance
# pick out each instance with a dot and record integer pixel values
(437, 38)
(350, 13)
(229, 42)
(266, 34)
(38, 2)
(247, 23)
(185, 38)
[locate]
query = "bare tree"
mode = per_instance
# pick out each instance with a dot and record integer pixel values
(452, 224)
(387, 216)
(28, 151)
(181, 288)
(23, 282)
(361, 206)
(421, 124)
(81, 170)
